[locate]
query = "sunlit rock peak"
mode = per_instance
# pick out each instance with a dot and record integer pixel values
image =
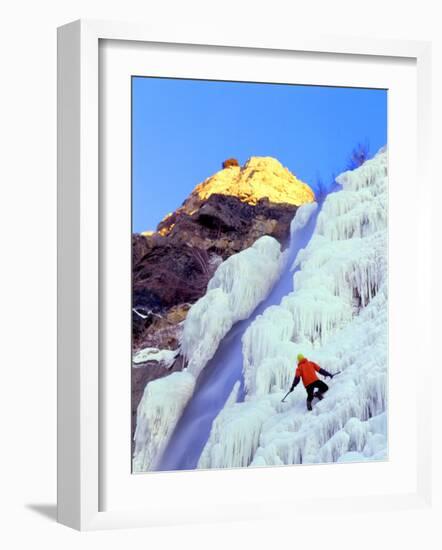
(260, 177)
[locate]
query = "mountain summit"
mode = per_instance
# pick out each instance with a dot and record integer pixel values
(260, 177)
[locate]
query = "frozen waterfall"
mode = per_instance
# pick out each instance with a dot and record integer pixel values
(336, 314)
(220, 366)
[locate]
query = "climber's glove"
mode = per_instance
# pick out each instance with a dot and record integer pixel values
(326, 373)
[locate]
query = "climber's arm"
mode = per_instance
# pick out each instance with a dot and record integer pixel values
(295, 382)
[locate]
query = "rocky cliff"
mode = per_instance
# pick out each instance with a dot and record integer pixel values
(223, 215)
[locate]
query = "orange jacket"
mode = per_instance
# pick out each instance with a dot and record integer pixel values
(307, 371)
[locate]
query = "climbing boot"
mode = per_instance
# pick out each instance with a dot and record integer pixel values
(309, 405)
(319, 395)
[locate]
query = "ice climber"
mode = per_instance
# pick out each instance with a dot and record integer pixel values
(307, 371)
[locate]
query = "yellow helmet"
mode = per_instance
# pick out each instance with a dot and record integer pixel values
(300, 357)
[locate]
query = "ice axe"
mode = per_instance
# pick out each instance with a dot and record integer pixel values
(336, 374)
(286, 395)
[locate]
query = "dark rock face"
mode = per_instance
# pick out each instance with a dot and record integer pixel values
(140, 247)
(172, 273)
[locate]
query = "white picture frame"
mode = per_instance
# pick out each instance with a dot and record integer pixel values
(79, 293)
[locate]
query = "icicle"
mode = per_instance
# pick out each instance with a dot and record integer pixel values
(160, 407)
(234, 438)
(303, 215)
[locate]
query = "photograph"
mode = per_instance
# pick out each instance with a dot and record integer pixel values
(259, 274)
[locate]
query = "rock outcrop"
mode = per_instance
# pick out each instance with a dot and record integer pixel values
(230, 162)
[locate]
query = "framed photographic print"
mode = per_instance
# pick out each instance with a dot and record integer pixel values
(233, 235)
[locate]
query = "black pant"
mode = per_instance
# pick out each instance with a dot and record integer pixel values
(317, 384)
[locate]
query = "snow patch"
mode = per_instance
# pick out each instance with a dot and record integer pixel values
(165, 357)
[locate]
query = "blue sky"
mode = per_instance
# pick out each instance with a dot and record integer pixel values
(182, 130)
